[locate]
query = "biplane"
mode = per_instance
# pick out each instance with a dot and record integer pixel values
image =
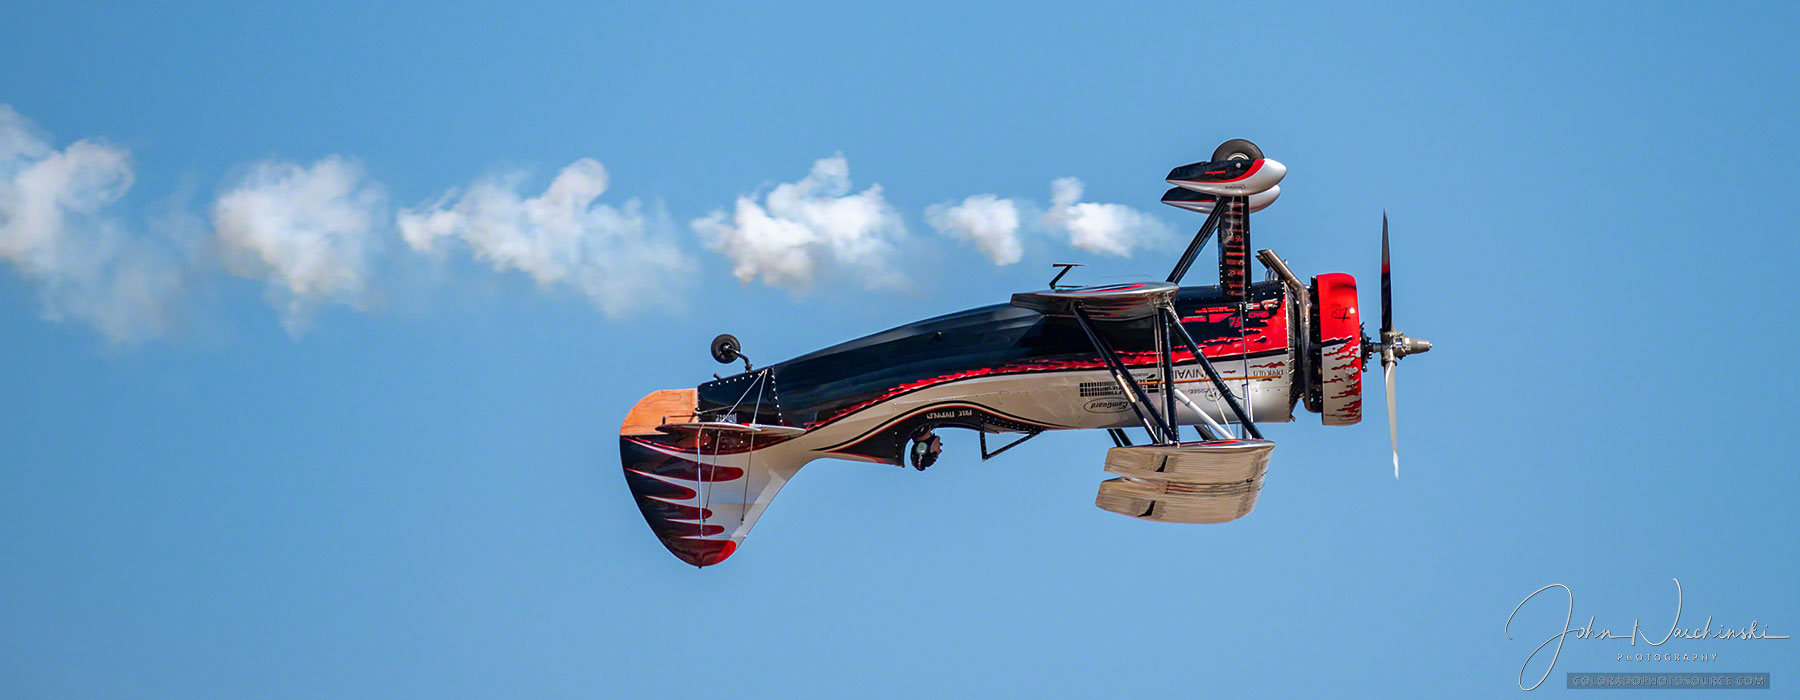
(703, 463)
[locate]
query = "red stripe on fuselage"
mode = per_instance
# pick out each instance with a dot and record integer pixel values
(1272, 335)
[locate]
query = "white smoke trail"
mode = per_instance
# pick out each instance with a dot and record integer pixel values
(994, 224)
(55, 232)
(1112, 229)
(322, 233)
(307, 231)
(988, 222)
(801, 227)
(619, 258)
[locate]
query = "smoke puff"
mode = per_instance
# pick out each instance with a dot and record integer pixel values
(620, 259)
(800, 227)
(307, 231)
(985, 220)
(1112, 229)
(55, 232)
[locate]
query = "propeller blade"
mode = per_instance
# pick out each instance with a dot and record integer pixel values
(1387, 370)
(1387, 290)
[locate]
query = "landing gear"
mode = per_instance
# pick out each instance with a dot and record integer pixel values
(925, 449)
(1237, 149)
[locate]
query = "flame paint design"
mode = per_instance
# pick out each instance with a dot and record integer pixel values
(1218, 338)
(669, 489)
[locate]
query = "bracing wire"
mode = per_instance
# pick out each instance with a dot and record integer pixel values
(750, 456)
(712, 469)
(1244, 353)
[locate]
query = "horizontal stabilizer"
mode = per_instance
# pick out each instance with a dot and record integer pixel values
(1104, 302)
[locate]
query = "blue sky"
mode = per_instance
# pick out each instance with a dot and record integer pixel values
(259, 469)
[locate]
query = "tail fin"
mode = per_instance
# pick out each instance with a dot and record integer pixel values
(700, 499)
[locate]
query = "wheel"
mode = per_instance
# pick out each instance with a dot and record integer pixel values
(925, 450)
(1237, 149)
(725, 348)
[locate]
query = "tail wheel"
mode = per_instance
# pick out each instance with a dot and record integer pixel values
(925, 450)
(725, 348)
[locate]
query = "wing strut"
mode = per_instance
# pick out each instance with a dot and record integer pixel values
(1160, 432)
(1165, 361)
(1118, 437)
(1234, 249)
(1193, 249)
(1165, 345)
(1211, 373)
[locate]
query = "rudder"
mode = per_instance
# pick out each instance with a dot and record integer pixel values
(700, 492)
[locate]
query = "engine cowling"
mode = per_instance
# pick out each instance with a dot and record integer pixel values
(1335, 350)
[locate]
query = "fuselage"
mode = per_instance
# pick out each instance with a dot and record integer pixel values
(1002, 368)
(703, 464)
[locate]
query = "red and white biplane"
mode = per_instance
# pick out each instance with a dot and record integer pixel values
(703, 463)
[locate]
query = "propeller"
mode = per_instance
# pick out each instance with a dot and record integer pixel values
(1393, 344)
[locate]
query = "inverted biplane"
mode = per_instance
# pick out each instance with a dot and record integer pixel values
(703, 463)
